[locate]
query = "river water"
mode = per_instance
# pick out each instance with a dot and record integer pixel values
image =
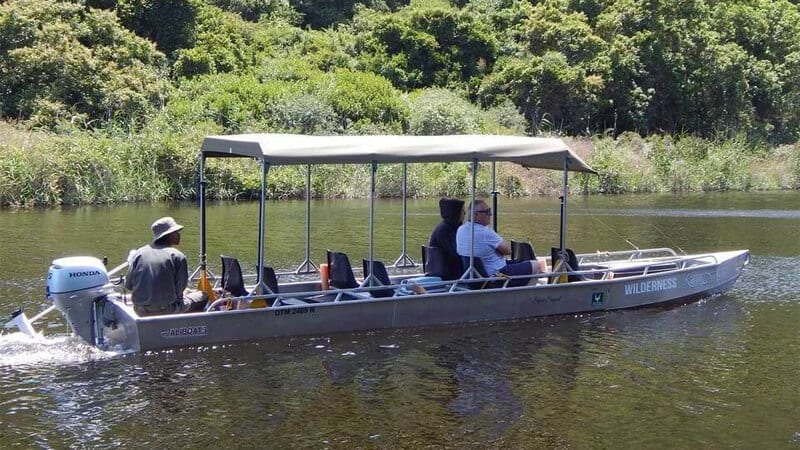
(723, 372)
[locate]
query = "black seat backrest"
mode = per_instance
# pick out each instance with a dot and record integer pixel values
(341, 272)
(433, 262)
(477, 264)
(572, 261)
(232, 279)
(381, 274)
(522, 251)
(269, 278)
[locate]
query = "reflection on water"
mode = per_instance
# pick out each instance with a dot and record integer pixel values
(722, 372)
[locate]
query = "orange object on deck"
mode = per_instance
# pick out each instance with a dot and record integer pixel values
(324, 276)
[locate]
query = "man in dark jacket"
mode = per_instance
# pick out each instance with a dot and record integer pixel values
(444, 237)
(158, 274)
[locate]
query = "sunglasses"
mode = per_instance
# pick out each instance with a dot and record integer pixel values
(488, 212)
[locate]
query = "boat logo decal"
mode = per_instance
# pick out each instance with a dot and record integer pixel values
(88, 273)
(179, 332)
(545, 299)
(644, 287)
(698, 279)
(597, 298)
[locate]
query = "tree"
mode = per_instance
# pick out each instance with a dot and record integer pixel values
(426, 46)
(63, 62)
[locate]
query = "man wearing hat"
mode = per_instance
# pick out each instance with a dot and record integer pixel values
(158, 274)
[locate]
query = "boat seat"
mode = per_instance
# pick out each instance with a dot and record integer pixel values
(568, 263)
(522, 251)
(433, 262)
(232, 278)
(340, 277)
(380, 273)
(269, 278)
(477, 263)
(341, 272)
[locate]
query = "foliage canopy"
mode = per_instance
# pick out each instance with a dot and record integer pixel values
(699, 67)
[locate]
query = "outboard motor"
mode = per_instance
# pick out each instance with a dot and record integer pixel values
(76, 285)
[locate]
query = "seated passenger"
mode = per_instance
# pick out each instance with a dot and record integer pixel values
(444, 236)
(489, 246)
(158, 274)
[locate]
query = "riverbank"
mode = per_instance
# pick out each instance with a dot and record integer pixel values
(47, 169)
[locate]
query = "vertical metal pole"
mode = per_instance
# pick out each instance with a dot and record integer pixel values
(564, 191)
(494, 195)
(262, 207)
(471, 268)
(307, 266)
(203, 256)
(404, 260)
(373, 169)
(405, 192)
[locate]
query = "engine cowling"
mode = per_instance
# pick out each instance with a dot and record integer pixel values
(74, 284)
(75, 273)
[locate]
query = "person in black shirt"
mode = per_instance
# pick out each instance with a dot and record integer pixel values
(444, 237)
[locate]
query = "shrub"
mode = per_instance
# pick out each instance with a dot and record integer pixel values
(439, 111)
(361, 97)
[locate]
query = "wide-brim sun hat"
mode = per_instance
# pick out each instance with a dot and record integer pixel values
(164, 226)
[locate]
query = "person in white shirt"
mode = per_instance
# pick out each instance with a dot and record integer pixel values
(489, 246)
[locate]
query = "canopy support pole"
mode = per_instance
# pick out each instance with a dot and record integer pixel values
(404, 260)
(564, 191)
(471, 272)
(368, 279)
(494, 196)
(203, 267)
(261, 286)
(203, 256)
(563, 258)
(307, 266)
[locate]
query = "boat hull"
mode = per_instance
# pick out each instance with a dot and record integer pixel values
(124, 330)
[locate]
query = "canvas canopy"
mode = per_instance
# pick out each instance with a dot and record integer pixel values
(292, 149)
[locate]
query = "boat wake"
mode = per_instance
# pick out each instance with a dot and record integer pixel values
(19, 349)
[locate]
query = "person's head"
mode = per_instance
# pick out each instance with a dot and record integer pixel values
(166, 231)
(480, 212)
(452, 210)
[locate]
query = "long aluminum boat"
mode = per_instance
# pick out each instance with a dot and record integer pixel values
(85, 292)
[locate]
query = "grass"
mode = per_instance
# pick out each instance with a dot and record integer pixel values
(160, 163)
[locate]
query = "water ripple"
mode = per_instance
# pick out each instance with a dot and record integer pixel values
(771, 279)
(681, 212)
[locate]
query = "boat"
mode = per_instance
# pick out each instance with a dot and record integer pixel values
(88, 294)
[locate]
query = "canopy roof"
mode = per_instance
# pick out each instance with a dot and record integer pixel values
(289, 149)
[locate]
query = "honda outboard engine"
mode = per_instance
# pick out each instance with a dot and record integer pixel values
(76, 284)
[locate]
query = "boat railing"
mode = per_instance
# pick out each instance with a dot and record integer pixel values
(311, 298)
(404, 289)
(631, 255)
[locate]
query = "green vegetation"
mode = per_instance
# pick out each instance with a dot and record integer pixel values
(108, 100)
